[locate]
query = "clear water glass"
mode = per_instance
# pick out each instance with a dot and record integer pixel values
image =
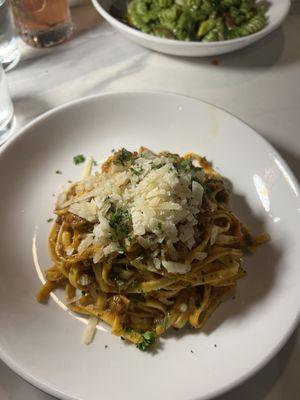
(6, 109)
(9, 52)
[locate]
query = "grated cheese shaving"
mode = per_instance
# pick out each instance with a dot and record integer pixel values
(161, 199)
(176, 267)
(88, 167)
(90, 330)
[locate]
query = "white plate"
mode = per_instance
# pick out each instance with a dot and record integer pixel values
(277, 12)
(42, 342)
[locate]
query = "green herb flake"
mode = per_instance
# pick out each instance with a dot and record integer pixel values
(137, 171)
(49, 219)
(78, 159)
(186, 166)
(58, 172)
(123, 156)
(197, 169)
(120, 221)
(157, 166)
(146, 341)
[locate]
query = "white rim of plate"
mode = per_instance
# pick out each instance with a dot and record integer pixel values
(226, 388)
(172, 42)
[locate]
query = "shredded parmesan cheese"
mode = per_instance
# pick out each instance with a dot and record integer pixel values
(161, 198)
(176, 267)
(88, 167)
(90, 330)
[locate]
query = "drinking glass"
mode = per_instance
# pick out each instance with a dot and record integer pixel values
(9, 52)
(6, 109)
(42, 23)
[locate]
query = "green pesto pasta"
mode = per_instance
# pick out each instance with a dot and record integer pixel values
(197, 20)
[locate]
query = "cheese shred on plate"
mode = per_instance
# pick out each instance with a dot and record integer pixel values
(152, 198)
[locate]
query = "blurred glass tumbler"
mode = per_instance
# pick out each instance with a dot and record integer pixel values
(6, 109)
(42, 23)
(9, 52)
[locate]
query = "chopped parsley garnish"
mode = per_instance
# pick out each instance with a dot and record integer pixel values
(137, 171)
(78, 159)
(95, 163)
(123, 156)
(147, 340)
(49, 219)
(120, 221)
(125, 229)
(58, 172)
(159, 226)
(197, 169)
(116, 218)
(157, 166)
(187, 166)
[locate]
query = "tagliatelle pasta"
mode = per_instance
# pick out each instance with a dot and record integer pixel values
(146, 244)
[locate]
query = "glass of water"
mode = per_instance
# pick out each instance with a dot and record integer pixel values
(6, 109)
(9, 52)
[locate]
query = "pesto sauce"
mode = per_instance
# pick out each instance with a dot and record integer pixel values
(197, 20)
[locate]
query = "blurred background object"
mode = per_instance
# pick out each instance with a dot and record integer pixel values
(42, 23)
(6, 109)
(9, 52)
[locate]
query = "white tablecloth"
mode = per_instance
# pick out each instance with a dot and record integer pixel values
(260, 84)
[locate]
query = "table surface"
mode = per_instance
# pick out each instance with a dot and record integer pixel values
(260, 85)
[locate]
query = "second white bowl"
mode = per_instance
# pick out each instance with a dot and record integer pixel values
(278, 11)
